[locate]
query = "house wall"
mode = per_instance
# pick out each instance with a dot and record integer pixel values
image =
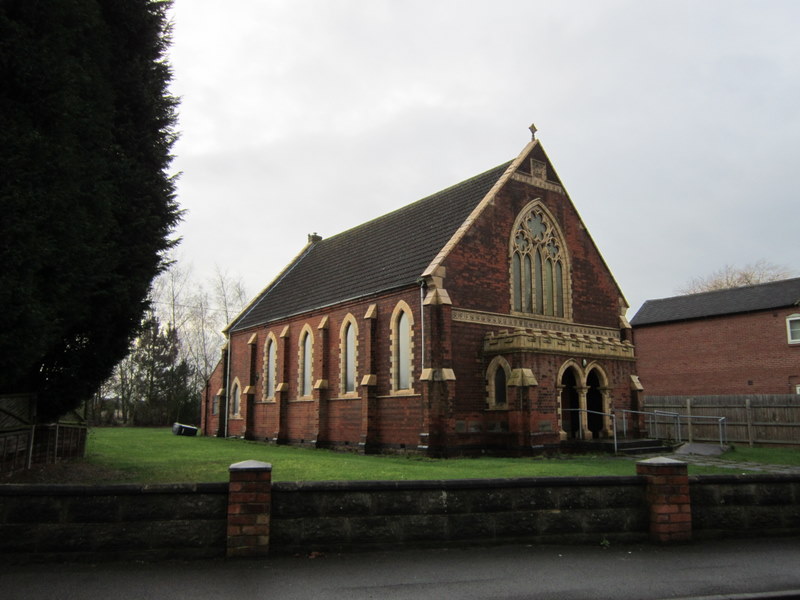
(735, 354)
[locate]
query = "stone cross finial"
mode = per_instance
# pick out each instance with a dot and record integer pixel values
(533, 131)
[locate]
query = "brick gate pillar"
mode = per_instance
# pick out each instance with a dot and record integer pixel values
(249, 506)
(668, 497)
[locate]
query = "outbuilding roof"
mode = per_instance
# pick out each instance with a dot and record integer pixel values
(389, 252)
(751, 298)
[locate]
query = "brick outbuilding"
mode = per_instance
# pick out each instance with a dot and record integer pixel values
(479, 319)
(737, 341)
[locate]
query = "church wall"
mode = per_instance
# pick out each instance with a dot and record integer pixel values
(329, 417)
(209, 422)
(344, 422)
(400, 421)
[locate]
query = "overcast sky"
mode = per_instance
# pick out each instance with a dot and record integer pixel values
(674, 125)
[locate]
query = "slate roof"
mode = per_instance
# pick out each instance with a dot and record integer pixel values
(386, 253)
(765, 296)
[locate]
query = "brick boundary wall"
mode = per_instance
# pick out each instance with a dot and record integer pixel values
(252, 516)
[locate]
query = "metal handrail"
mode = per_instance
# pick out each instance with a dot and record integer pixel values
(722, 423)
(594, 412)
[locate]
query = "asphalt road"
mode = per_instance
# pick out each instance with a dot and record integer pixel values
(735, 569)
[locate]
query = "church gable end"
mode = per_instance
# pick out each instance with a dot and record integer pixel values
(528, 253)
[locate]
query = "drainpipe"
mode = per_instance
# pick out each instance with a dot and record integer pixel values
(422, 286)
(228, 386)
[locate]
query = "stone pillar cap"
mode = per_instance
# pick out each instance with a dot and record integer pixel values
(250, 465)
(661, 460)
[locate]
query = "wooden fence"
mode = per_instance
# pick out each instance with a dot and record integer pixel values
(756, 419)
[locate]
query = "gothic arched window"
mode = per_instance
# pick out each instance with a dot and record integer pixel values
(347, 354)
(402, 347)
(305, 362)
(539, 264)
(403, 352)
(270, 361)
(237, 400)
(497, 376)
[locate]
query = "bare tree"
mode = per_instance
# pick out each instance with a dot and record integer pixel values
(732, 277)
(195, 315)
(229, 294)
(169, 292)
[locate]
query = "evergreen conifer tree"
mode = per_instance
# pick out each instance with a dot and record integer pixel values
(86, 129)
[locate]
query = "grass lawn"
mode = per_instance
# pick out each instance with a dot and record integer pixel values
(145, 455)
(155, 455)
(778, 455)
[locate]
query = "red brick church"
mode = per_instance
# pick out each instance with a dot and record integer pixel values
(479, 319)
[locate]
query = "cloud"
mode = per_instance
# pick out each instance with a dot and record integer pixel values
(672, 124)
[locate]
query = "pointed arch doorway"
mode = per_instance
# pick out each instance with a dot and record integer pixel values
(570, 403)
(594, 404)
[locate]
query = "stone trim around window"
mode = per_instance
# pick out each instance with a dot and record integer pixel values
(348, 356)
(497, 399)
(270, 368)
(395, 341)
(539, 265)
(305, 363)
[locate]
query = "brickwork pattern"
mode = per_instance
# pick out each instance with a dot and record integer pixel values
(668, 498)
(735, 354)
(249, 508)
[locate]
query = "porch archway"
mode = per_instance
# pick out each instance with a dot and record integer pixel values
(570, 403)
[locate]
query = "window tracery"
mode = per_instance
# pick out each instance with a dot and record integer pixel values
(539, 264)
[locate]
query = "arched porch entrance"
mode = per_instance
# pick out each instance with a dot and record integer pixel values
(570, 403)
(595, 405)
